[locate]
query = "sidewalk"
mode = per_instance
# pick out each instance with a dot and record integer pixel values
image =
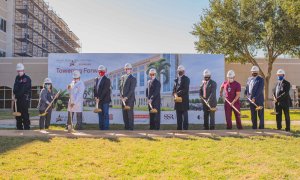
(142, 134)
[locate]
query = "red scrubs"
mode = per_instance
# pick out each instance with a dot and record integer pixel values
(230, 93)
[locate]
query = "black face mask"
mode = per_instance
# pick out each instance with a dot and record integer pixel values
(206, 78)
(180, 73)
(254, 74)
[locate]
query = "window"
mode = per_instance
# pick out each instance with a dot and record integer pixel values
(142, 79)
(5, 97)
(35, 95)
(2, 25)
(2, 54)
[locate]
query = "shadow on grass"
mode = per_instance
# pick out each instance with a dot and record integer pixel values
(11, 143)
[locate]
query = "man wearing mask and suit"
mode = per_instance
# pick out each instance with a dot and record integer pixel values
(102, 96)
(127, 93)
(181, 97)
(281, 97)
(254, 91)
(208, 93)
(153, 96)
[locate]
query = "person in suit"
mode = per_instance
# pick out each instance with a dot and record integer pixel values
(127, 93)
(282, 98)
(153, 96)
(208, 90)
(102, 96)
(181, 91)
(254, 91)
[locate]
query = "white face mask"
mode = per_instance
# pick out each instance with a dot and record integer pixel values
(76, 80)
(21, 73)
(152, 77)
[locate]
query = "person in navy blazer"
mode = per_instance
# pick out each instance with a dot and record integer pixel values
(255, 91)
(102, 93)
(153, 96)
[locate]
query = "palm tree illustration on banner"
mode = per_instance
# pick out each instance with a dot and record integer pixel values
(162, 67)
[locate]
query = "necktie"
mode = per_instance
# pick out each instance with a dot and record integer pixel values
(204, 89)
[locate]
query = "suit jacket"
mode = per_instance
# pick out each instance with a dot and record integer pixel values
(129, 90)
(211, 96)
(283, 97)
(104, 90)
(182, 90)
(153, 93)
(257, 90)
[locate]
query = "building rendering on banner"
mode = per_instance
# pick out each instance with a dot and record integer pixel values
(30, 28)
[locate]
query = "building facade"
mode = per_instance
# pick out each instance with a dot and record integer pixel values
(33, 29)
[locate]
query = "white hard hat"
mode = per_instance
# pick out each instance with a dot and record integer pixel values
(180, 68)
(47, 81)
(101, 68)
(254, 69)
(76, 74)
(280, 71)
(230, 74)
(20, 67)
(128, 66)
(152, 71)
(206, 72)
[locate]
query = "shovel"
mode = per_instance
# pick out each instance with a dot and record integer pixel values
(210, 108)
(16, 113)
(153, 110)
(125, 106)
(97, 109)
(46, 111)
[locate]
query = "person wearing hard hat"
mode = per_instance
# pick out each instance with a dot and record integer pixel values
(208, 90)
(22, 94)
(46, 97)
(232, 93)
(75, 105)
(282, 99)
(254, 91)
(153, 96)
(181, 90)
(127, 95)
(102, 93)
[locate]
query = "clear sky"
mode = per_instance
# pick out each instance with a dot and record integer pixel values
(134, 26)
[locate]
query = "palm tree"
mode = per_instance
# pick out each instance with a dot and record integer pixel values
(162, 67)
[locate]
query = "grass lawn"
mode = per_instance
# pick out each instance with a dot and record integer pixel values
(294, 115)
(172, 158)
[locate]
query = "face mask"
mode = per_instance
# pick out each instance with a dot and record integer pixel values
(206, 78)
(152, 77)
(76, 80)
(230, 80)
(47, 86)
(280, 78)
(254, 74)
(180, 73)
(101, 73)
(128, 71)
(20, 73)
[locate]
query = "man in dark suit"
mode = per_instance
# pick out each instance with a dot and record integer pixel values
(127, 91)
(254, 91)
(153, 96)
(208, 93)
(281, 97)
(181, 97)
(102, 93)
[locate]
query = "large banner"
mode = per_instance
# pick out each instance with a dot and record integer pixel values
(61, 66)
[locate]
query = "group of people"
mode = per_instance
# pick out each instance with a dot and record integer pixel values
(230, 90)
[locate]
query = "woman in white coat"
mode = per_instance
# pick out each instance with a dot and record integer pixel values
(75, 105)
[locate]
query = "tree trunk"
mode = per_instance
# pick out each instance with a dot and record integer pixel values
(267, 84)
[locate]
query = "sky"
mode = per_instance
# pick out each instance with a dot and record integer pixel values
(132, 26)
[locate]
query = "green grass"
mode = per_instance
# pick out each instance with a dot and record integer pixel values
(158, 158)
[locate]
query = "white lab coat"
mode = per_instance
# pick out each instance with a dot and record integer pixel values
(76, 96)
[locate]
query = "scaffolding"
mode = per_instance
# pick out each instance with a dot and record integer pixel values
(39, 31)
